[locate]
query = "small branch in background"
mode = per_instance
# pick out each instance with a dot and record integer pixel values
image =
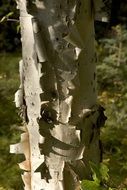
(12, 20)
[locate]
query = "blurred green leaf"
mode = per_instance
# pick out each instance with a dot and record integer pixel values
(89, 185)
(6, 16)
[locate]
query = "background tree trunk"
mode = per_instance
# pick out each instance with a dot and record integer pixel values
(57, 94)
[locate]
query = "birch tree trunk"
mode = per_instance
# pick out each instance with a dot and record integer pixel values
(57, 96)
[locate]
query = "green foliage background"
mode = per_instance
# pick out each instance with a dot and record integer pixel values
(9, 172)
(112, 85)
(9, 36)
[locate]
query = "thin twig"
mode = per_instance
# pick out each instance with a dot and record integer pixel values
(13, 20)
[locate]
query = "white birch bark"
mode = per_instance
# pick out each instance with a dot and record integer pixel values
(58, 94)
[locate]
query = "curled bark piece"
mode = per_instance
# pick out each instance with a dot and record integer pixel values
(22, 147)
(27, 180)
(74, 37)
(25, 165)
(19, 98)
(39, 45)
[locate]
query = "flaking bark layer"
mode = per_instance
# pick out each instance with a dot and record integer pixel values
(58, 94)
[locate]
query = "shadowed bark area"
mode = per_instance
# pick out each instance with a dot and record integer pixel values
(58, 93)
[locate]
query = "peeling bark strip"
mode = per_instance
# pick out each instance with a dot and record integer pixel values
(57, 94)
